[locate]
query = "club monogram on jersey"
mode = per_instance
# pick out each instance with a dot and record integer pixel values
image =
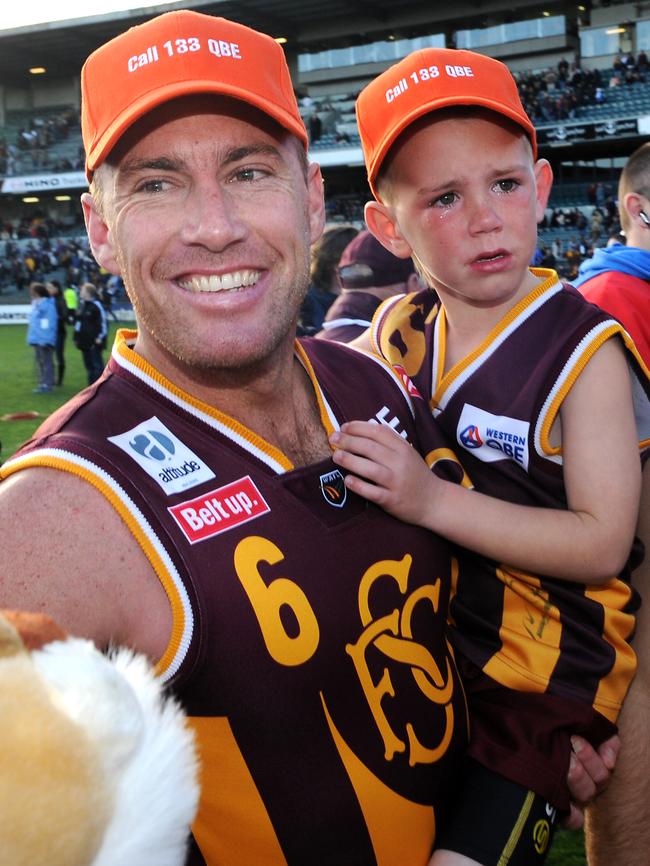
(493, 437)
(219, 510)
(163, 456)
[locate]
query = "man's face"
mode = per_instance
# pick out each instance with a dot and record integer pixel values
(208, 217)
(464, 199)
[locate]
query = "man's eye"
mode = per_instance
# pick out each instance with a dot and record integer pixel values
(155, 185)
(508, 185)
(247, 175)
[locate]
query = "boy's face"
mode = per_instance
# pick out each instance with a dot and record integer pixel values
(464, 197)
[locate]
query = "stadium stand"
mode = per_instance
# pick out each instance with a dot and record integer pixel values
(586, 87)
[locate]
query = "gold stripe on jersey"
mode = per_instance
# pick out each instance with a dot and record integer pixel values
(530, 632)
(136, 364)
(182, 618)
(230, 800)
(447, 385)
(579, 359)
(414, 340)
(617, 629)
(409, 836)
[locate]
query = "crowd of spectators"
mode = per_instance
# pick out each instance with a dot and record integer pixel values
(42, 257)
(33, 145)
(555, 93)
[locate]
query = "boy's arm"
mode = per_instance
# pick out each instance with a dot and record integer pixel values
(588, 542)
(618, 822)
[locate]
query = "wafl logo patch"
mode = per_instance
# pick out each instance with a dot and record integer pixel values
(333, 488)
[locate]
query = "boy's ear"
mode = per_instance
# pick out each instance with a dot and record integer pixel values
(543, 184)
(382, 224)
(99, 235)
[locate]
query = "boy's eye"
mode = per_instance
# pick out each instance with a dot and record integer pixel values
(444, 200)
(507, 185)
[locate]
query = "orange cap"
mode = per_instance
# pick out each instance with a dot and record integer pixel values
(426, 81)
(177, 54)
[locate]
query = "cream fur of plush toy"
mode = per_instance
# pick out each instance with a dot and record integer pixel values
(97, 765)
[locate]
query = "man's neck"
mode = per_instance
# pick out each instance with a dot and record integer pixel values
(274, 398)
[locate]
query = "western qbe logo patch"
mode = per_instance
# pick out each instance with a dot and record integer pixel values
(493, 437)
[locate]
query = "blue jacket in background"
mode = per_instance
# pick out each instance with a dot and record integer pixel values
(43, 320)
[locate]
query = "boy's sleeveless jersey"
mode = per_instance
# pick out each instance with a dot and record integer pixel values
(309, 627)
(497, 406)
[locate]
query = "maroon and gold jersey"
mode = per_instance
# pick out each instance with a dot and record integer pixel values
(308, 641)
(497, 407)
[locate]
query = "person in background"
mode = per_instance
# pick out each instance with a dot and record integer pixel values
(54, 288)
(41, 334)
(90, 331)
(617, 277)
(324, 285)
(368, 274)
(72, 302)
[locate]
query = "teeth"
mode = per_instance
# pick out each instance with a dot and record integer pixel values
(224, 283)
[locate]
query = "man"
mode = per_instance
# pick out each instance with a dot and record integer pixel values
(618, 823)
(90, 331)
(368, 274)
(206, 524)
(617, 277)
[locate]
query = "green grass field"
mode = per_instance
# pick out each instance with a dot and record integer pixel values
(17, 378)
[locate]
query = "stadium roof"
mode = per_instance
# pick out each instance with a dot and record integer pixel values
(62, 46)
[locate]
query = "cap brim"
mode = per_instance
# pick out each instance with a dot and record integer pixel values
(166, 93)
(436, 105)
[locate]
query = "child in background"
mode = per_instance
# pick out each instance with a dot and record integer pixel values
(536, 387)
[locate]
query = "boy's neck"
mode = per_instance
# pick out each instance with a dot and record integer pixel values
(468, 325)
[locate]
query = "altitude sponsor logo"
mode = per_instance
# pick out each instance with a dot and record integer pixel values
(219, 510)
(163, 456)
(493, 437)
(332, 485)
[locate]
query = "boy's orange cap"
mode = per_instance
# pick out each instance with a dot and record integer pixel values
(426, 81)
(177, 54)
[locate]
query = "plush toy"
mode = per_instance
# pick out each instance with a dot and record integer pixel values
(97, 765)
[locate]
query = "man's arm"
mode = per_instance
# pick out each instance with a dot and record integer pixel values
(66, 552)
(618, 822)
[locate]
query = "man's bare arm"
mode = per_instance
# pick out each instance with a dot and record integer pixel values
(618, 822)
(66, 552)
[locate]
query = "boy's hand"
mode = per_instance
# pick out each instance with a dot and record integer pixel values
(386, 470)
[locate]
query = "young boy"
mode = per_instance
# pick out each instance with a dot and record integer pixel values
(526, 378)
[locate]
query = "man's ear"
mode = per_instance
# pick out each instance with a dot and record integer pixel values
(543, 184)
(99, 235)
(382, 224)
(316, 201)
